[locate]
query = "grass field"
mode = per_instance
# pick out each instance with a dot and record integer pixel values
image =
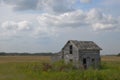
(111, 58)
(8, 59)
(39, 68)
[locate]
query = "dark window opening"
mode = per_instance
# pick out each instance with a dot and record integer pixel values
(93, 60)
(70, 46)
(71, 49)
(84, 61)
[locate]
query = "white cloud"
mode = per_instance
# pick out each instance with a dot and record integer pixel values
(94, 15)
(25, 29)
(103, 26)
(48, 25)
(11, 28)
(93, 18)
(11, 25)
(70, 19)
(24, 25)
(101, 21)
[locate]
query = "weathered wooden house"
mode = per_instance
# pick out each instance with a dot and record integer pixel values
(84, 54)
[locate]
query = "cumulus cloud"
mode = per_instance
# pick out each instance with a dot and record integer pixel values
(48, 25)
(11, 28)
(54, 6)
(101, 21)
(70, 19)
(85, 1)
(93, 18)
(25, 29)
(107, 24)
(103, 26)
(11, 25)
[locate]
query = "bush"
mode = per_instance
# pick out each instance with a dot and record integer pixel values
(62, 66)
(46, 66)
(118, 54)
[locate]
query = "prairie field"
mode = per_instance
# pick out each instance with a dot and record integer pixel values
(12, 59)
(41, 68)
(111, 58)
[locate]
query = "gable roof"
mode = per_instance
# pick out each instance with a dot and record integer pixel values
(85, 45)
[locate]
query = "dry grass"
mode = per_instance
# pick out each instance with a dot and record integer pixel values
(110, 58)
(7, 59)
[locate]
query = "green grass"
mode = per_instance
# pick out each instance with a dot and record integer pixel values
(35, 71)
(44, 70)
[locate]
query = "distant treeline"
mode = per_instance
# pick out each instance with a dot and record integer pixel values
(25, 54)
(118, 54)
(112, 54)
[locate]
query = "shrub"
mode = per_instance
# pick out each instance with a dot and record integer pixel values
(62, 66)
(46, 66)
(118, 54)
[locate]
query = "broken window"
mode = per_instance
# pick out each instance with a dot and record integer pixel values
(93, 59)
(70, 49)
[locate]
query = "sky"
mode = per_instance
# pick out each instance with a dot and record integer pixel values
(46, 25)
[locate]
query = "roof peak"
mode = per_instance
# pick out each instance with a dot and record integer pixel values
(80, 41)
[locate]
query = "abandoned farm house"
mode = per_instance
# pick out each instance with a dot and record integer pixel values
(83, 54)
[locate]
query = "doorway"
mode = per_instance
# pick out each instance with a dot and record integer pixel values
(84, 63)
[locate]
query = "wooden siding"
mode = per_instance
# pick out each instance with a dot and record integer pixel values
(89, 56)
(67, 56)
